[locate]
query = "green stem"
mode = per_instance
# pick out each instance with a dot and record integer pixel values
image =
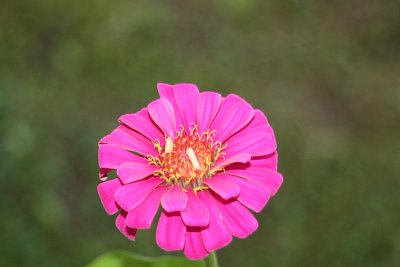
(212, 260)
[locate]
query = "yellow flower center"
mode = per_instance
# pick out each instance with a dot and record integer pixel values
(188, 159)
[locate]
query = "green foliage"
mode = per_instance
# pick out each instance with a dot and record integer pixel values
(126, 259)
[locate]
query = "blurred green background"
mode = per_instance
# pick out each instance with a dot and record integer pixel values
(327, 74)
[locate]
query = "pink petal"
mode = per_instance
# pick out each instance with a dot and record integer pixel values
(259, 120)
(106, 192)
(170, 233)
(142, 216)
(195, 214)
(253, 195)
(104, 140)
(223, 187)
(132, 171)
(267, 178)
(256, 138)
(162, 113)
(239, 158)
(143, 124)
(132, 195)
(194, 248)
(208, 104)
(216, 235)
(185, 98)
(127, 139)
(130, 233)
(167, 91)
(234, 98)
(269, 162)
(111, 157)
(257, 143)
(238, 219)
(174, 199)
(233, 115)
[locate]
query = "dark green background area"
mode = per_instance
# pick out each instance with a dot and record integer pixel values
(326, 73)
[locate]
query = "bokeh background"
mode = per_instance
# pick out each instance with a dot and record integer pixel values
(327, 74)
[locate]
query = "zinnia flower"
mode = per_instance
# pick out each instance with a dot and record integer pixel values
(207, 160)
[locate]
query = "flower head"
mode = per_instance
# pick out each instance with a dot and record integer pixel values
(205, 159)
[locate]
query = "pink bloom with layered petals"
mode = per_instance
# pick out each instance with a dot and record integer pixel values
(207, 160)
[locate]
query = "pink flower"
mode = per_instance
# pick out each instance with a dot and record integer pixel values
(204, 158)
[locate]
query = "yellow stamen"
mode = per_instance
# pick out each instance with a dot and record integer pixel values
(188, 159)
(193, 159)
(169, 145)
